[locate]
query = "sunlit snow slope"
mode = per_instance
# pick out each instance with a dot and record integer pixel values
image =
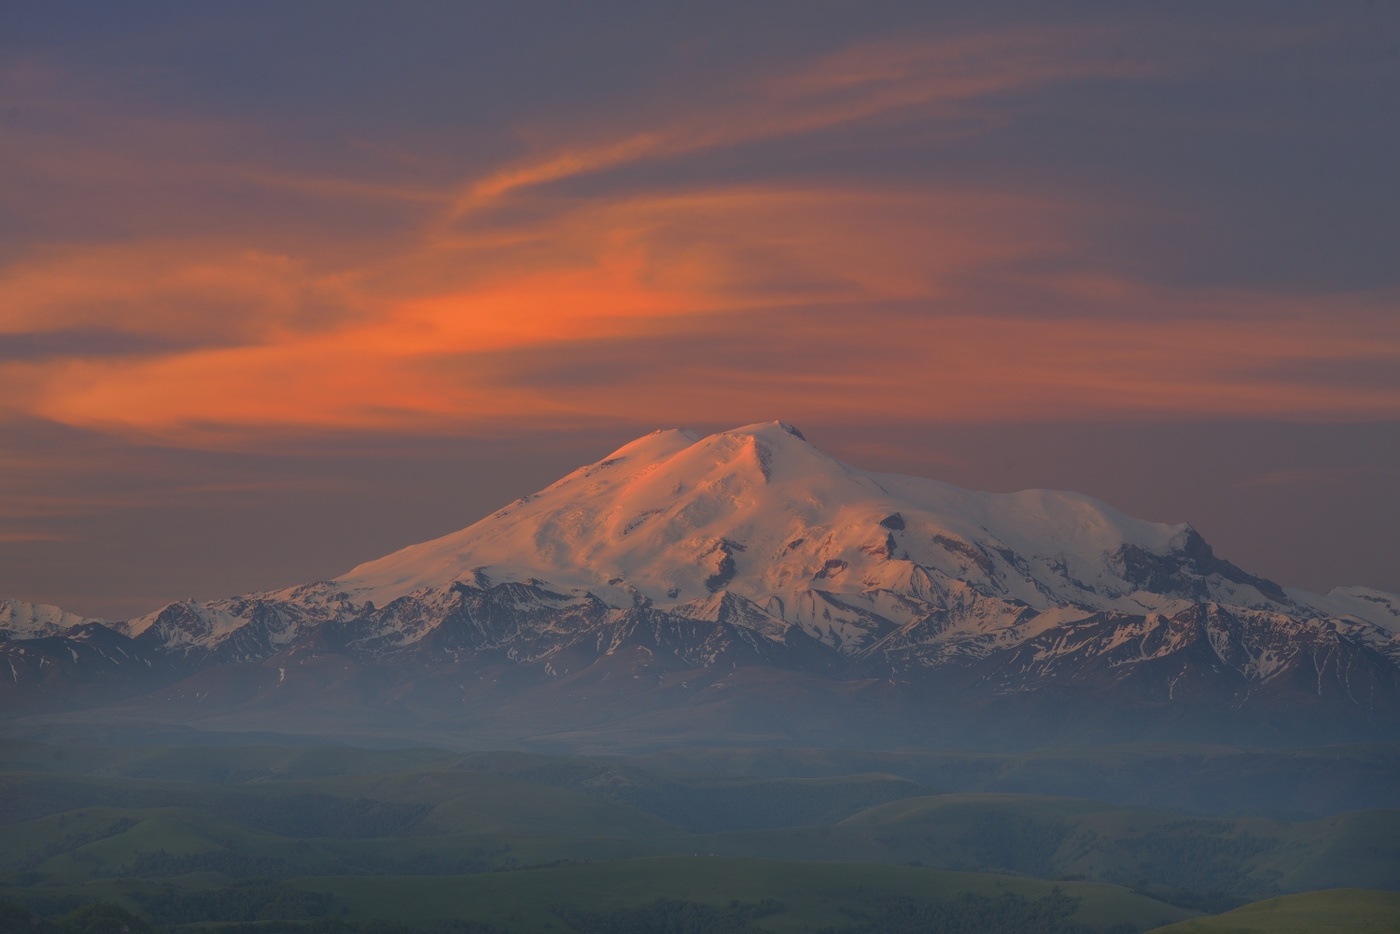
(671, 518)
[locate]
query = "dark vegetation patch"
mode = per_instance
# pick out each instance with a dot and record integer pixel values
(1003, 839)
(93, 918)
(338, 925)
(671, 916)
(34, 856)
(1212, 903)
(247, 900)
(1184, 857)
(107, 918)
(968, 913)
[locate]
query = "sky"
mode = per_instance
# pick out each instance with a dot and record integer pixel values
(284, 287)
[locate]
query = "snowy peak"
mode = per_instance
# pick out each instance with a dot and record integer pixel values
(670, 498)
(672, 518)
(20, 620)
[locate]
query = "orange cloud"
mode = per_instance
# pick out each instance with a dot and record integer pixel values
(397, 350)
(814, 304)
(500, 300)
(848, 364)
(202, 292)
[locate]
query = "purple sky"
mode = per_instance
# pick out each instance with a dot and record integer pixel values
(285, 287)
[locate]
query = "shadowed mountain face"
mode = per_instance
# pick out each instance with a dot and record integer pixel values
(746, 587)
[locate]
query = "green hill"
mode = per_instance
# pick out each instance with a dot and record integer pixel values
(1356, 911)
(1170, 854)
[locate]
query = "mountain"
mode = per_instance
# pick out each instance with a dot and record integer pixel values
(746, 585)
(20, 620)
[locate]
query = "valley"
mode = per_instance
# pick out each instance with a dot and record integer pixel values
(774, 840)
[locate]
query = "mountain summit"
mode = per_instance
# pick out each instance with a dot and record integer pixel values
(723, 573)
(673, 518)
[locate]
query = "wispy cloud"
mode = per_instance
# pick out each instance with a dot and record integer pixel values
(913, 79)
(509, 299)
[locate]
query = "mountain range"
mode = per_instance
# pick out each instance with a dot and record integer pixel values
(746, 587)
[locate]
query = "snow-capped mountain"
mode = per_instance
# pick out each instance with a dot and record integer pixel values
(750, 550)
(19, 620)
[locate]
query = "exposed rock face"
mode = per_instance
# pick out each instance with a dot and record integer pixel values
(681, 560)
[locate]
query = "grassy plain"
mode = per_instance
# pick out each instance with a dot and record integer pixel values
(522, 841)
(812, 895)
